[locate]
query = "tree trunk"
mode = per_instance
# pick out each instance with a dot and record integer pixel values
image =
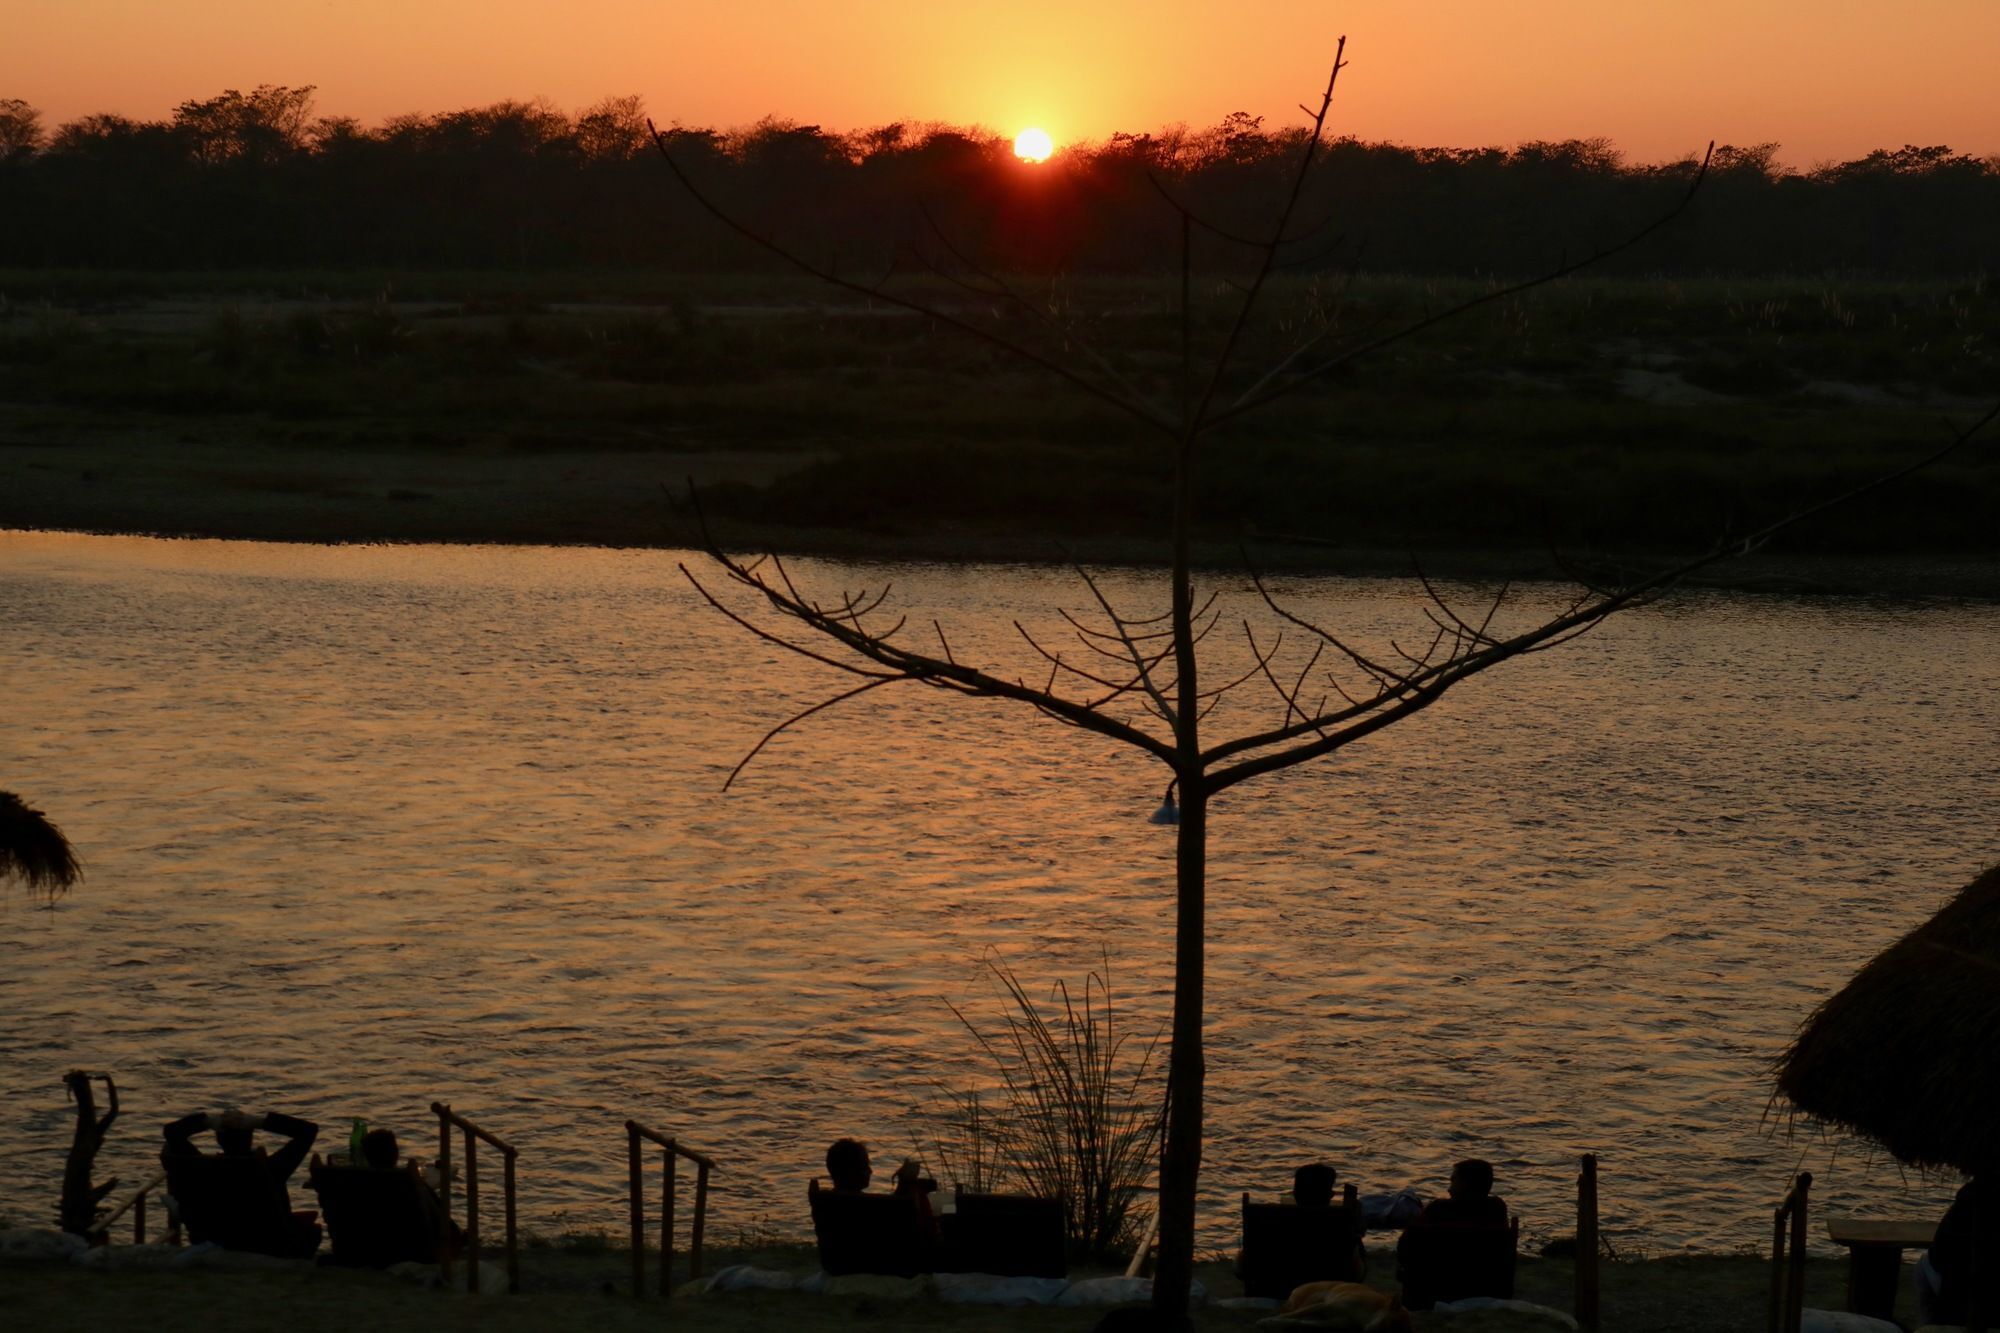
(1180, 1157)
(77, 1212)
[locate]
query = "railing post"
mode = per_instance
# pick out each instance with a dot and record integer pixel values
(1795, 1299)
(700, 1218)
(139, 1219)
(443, 1112)
(670, 1152)
(636, 1187)
(1777, 1311)
(667, 1225)
(1587, 1288)
(473, 1213)
(447, 1121)
(513, 1247)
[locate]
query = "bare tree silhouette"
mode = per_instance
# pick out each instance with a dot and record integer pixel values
(1139, 679)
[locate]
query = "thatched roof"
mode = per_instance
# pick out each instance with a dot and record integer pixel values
(33, 850)
(1908, 1052)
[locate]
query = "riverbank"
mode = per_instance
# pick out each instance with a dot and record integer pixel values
(1629, 419)
(567, 1288)
(133, 485)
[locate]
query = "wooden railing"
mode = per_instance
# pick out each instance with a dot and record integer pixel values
(634, 1133)
(447, 1121)
(135, 1204)
(1788, 1270)
(1587, 1289)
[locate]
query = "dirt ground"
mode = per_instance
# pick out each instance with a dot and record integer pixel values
(591, 1291)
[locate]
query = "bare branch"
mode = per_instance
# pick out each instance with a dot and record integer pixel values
(1421, 689)
(1223, 233)
(1056, 660)
(1145, 668)
(801, 716)
(1198, 419)
(1264, 664)
(771, 638)
(898, 662)
(1562, 270)
(1381, 674)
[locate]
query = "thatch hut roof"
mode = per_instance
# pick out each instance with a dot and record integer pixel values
(1908, 1052)
(34, 850)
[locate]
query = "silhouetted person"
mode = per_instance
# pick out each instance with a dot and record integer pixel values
(1312, 1185)
(1963, 1263)
(236, 1135)
(848, 1167)
(1469, 1199)
(1459, 1245)
(379, 1149)
(893, 1233)
(236, 1204)
(382, 1210)
(1313, 1188)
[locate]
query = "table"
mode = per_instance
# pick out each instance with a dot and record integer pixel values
(1875, 1248)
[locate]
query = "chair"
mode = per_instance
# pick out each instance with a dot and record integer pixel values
(1788, 1257)
(1286, 1245)
(869, 1233)
(1451, 1263)
(1008, 1235)
(375, 1218)
(236, 1202)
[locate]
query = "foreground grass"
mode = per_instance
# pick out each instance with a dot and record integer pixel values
(1617, 415)
(572, 1290)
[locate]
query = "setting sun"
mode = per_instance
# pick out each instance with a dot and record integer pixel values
(1033, 145)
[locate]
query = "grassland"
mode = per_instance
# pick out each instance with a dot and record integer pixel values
(1603, 416)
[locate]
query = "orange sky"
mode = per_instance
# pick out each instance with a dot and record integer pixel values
(1827, 78)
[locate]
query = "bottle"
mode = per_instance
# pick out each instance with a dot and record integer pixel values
(354, 1137)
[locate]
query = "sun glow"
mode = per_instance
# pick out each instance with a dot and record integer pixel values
(1033, 145)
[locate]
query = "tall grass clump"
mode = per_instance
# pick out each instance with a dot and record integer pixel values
(1083, 1113)
(964, 1135)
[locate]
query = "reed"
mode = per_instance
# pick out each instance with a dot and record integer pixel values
(964, 1136)
(1083, 1115)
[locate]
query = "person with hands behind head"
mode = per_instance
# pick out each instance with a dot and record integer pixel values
(237, 1197)
(235, 1134)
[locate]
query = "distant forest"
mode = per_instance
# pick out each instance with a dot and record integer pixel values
(257, 180)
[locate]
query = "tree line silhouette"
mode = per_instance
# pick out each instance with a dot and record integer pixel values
(256, 179)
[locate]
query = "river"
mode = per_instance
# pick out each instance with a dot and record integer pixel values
(370, 826)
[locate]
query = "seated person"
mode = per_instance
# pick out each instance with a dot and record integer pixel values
(381, 1152)
(1960, 1269)
(238, 1198)
(1469, 1199)
(892, 1233)
(1298, 1253)
(848, 1166)
(380, 1214)
(1460, 1245)
(1312, 1185)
